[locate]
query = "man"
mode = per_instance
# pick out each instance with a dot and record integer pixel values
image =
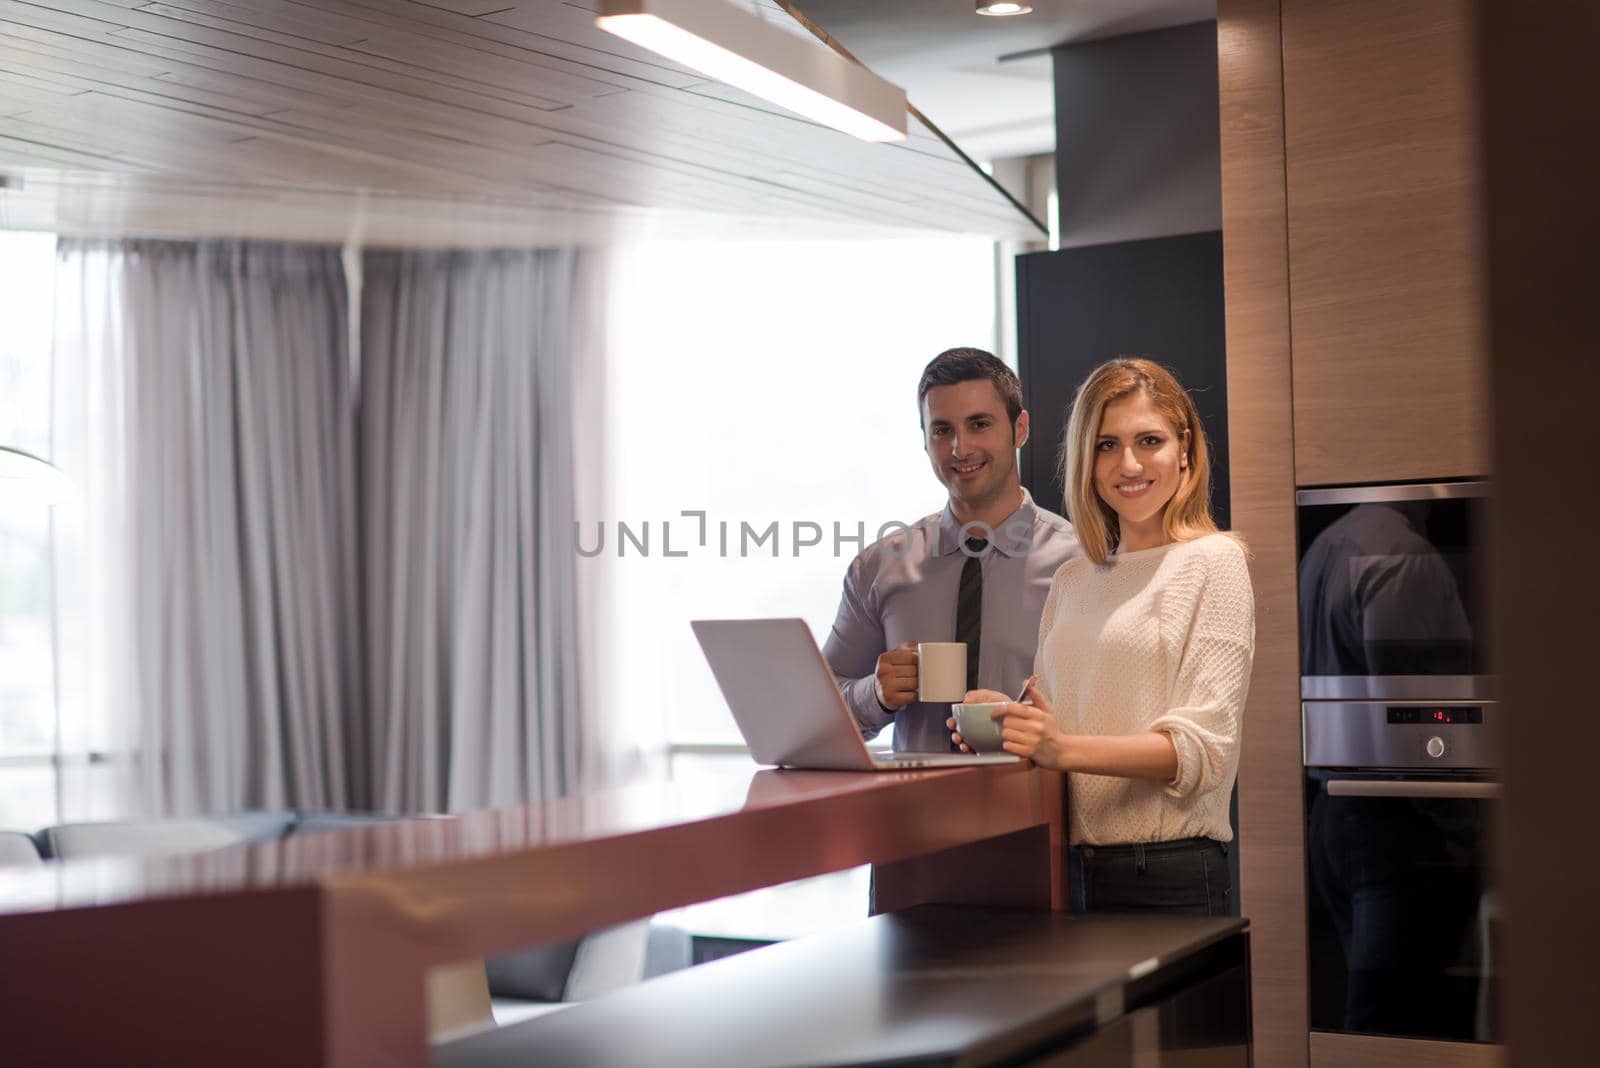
(977, 572)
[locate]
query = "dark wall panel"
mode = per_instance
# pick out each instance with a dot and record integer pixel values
(1079, 307)
(1138, 153)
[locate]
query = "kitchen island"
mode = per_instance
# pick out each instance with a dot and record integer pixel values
(314, 950)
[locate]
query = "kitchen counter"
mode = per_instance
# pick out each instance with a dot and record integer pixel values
(313, 950)
(929, 985)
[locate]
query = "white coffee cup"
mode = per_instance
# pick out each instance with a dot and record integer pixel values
(941, 671)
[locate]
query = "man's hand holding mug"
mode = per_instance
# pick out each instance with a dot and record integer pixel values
(896, 678)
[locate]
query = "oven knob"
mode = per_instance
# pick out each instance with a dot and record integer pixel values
(1436, 746)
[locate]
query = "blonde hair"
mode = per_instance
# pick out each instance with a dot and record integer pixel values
(1187, 515)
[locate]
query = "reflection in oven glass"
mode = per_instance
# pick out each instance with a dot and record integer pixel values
(1401, 916)
(1378, 598)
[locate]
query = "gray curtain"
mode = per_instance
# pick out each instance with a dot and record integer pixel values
(209, 390)
(471, 591)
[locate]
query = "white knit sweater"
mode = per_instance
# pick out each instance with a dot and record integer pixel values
(1160, 639)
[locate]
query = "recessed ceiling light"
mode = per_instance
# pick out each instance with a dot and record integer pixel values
(1002, 7)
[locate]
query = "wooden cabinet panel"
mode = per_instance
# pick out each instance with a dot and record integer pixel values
(1261, 454)
(1363, 1051)
(1385, 251)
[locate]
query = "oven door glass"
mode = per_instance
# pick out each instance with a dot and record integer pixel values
(1403, 918)
(1389, 603)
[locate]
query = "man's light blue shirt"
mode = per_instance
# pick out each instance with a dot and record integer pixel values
(903, 588)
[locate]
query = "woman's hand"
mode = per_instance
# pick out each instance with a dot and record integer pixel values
(1030, 730)
(955, 735)
(973, 696)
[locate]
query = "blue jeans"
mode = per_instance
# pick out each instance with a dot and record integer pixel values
(1186, 876)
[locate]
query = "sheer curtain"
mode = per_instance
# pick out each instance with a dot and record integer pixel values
(473, 366)
(209, 633)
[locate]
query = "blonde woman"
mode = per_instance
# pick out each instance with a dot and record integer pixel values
(1144, 653)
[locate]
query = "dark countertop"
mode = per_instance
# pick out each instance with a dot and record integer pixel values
(929, 985)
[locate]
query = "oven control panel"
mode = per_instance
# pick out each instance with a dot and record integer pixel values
(1404, 734)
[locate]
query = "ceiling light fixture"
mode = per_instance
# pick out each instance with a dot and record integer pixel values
(1002, 7)
(742, 49)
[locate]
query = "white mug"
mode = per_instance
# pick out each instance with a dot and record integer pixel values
(941, 671)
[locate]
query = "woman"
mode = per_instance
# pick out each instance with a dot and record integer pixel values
(1144, 653)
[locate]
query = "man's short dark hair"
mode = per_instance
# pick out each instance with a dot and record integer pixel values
(966, 365)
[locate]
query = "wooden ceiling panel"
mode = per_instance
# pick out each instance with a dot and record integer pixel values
(547, 76)
(534, 28)
(52, 157)
(470, 7)
(358, 91)
(362, 68)
(485, 109)
(285, 21)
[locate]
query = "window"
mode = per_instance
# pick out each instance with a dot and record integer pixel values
(29, 729)
(65, 754)
(772, 387)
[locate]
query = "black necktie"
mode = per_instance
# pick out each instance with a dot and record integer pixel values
(969, 608)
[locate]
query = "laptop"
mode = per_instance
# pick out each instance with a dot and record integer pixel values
(788, 706)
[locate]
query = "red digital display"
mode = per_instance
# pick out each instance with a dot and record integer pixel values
(1444, 716)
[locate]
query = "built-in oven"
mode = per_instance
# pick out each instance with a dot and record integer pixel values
(1390, 600)
(1400, 797)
